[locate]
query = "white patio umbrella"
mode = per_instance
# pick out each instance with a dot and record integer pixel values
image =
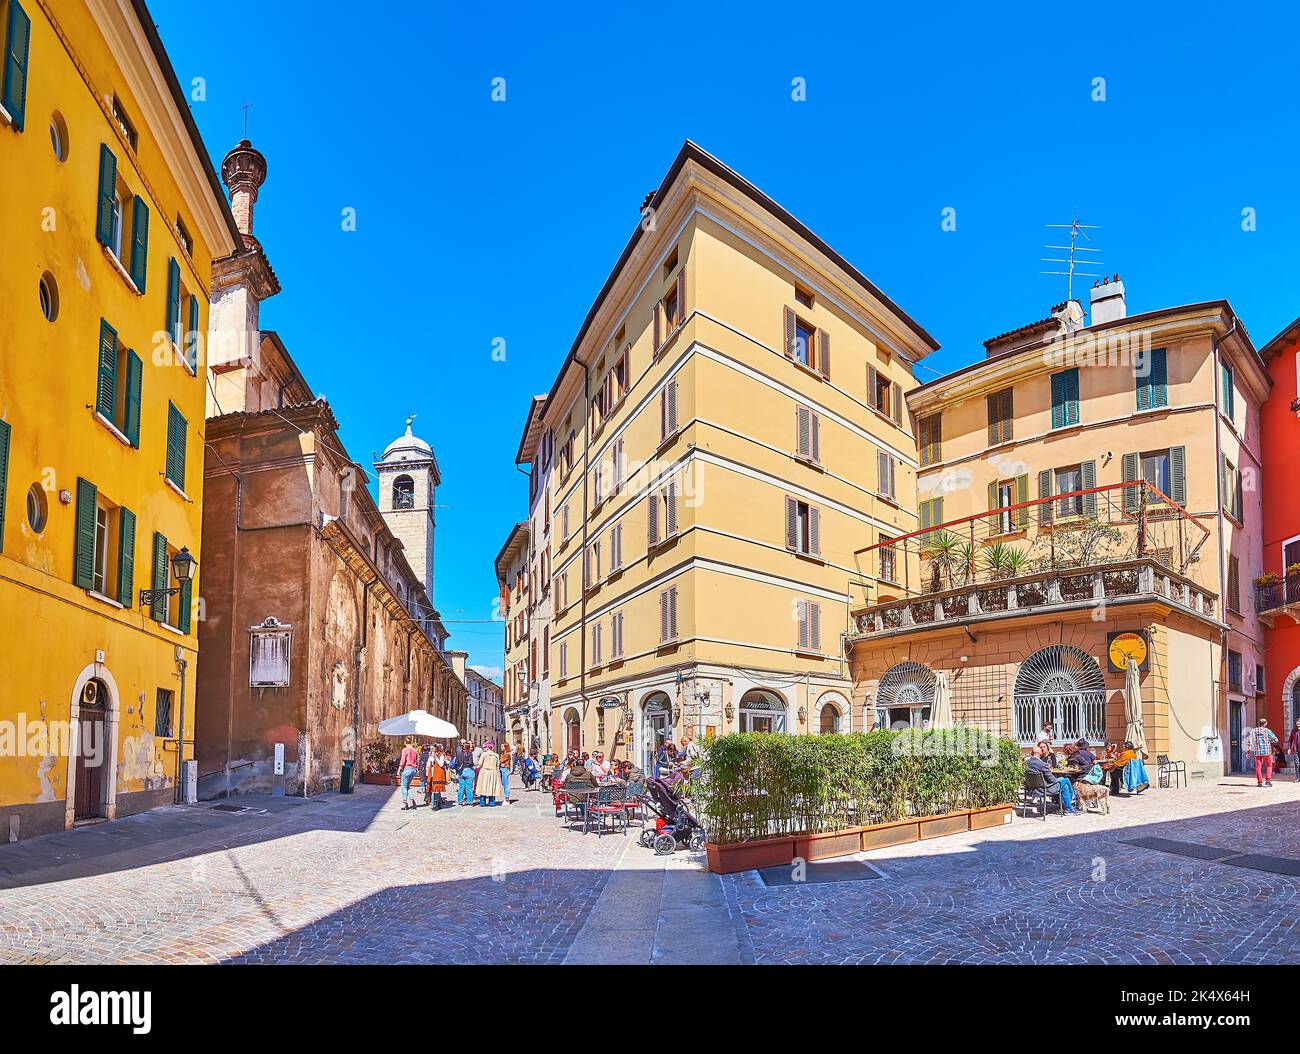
(419, 723)
(941, 712)
(1133, 707)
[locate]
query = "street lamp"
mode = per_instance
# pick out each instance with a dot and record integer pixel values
(183, 565)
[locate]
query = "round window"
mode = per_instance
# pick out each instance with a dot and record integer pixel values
(37, 509)
(59, 136)
(49, 297)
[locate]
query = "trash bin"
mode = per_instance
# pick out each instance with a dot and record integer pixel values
(345, 778)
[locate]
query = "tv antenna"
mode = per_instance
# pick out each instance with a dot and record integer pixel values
(1077, 231)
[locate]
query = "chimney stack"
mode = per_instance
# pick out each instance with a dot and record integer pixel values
(243, 171)
(1108, 301)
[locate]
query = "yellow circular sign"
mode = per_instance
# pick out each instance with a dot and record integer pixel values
(1125, 646)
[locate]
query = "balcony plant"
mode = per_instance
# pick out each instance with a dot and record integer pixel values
(944, 553)
(1269, 578)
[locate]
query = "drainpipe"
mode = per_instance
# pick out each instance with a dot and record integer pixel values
(1221, 705)
(586, 466)
(181, 665)
(356, 687)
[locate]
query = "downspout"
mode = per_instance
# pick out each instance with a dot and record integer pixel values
(360, 666)
(586, 465)
(234, 578)
(181, 664)
(1221, 704)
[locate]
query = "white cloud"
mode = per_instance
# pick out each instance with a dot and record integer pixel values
(492, 673)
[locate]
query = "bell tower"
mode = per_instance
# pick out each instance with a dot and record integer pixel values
(408, 482)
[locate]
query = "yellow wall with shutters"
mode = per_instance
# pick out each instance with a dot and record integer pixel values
(53, 630)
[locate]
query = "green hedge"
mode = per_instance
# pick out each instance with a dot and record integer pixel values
(761, 785)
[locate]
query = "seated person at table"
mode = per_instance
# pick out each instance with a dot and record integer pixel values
(1134, 772)
(1056, 785)
(1082, 759)
(577, 773)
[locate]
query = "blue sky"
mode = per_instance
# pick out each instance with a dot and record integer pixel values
(479, 220)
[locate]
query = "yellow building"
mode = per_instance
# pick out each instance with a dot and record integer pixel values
(112, 216)
(1085, 492)
(725, 430)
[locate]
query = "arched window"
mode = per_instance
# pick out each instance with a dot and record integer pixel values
(762, 710)
(905, 696)
(829, 720)
(1065, 686)
(573, 730)
(403, 493)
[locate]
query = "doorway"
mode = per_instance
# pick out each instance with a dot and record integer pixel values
(573, 732)
(1236, 722)
(656, 726)
(91, 754)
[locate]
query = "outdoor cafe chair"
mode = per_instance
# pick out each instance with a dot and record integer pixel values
(1166, 768)
(1036, 792)
(633, 801)
(605, 806)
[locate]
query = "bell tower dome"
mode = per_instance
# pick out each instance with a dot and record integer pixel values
(408, 482)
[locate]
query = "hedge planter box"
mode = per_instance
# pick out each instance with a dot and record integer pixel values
(387, 779)
(780, 852)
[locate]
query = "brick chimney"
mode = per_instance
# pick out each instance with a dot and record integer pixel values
(243, 171)
(1107, 301)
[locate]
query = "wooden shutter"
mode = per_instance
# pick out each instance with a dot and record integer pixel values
(814, 531)
(791, 524)
(18, 38)
(896, 402)
(824, 353)
(139, 242)
(83, 563)
(586, 568)
(681, 297)
(1159, 379)
(1132, 465)
(995, 426)
(671, 390)
(670, 509)
(126, 558)
(1178, 474)
(994, 503)
(158, 610)
(176, 429)
(871, 388)
(173, 319)
(4, 476)
(885, 473)
(652, 517)
(1045, 491)
(1058, 400)
(131, 418)
(814, 626)
(595, 644)
(192, 336)
(1022, 495)
(618, 465)
(106, 212)
(1088, 480)
(1065, 398)
(803, 431)
(658, 325)
(801, 613)
(1144, 389)
(106, 393)
(789, 334)
(816, 436)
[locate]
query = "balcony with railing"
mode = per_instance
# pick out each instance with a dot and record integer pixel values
(1278, 595)
(1117, 544)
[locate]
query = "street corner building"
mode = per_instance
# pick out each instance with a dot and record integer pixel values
(1081, 505)
(112, 217)
(319, 618)
(726, 430)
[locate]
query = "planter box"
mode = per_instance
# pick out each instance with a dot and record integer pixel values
(882, 835)
(828, 845)
(745, 856)
(949, 823)
(381, 779)
(994, 816)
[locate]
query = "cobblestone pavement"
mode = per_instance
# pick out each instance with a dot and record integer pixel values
(354, 879)
(1064, 890)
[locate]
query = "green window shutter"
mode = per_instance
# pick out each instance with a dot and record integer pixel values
(994, 504)
(125, 557)
(176, 428)
(158, 610)
(192, 335)
(1143, 391)
(1159, 379)
(173, 301)
(187, 602)
(83, 562)
(131, 422)
(1178, 474)
(1088, 477)
(106, 214)
(139, 242)
(1022, 495)
(1132, 471)
(4, 476)
(1072, 397)
(17, 45)
(1045, 491)
(106, 394)
(1058, 400)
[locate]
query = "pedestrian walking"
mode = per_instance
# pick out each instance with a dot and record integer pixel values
(506, 760)
(435, 777)
(488, 786)
(1293, 748)
(463, 765)
(407, 766)
(1260, 743)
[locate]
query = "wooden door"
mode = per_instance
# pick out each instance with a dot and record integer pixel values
(90, 777)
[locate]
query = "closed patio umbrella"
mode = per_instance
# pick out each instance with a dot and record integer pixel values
(941, 712)
(1133, 707)
(418, 723)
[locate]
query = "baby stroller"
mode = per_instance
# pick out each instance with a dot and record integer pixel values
(674, 826)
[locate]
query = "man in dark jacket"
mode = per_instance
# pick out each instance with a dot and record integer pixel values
(1056, 785)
